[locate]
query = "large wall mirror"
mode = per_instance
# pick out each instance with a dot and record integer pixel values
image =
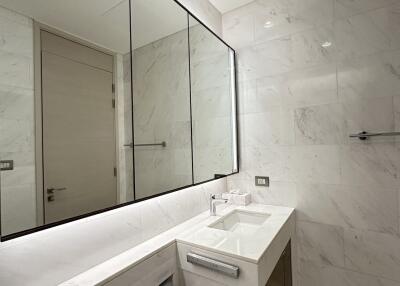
(107, 103)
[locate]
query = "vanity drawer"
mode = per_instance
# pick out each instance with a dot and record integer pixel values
(151, 272)
(247, 271)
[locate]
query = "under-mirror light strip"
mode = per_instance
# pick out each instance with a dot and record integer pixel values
(234, 119)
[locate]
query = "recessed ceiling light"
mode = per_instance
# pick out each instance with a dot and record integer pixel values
(326, 44)
(268, 24)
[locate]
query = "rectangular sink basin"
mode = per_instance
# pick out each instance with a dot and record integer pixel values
(241, 222)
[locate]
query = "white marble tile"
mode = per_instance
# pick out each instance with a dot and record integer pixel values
(369, 115)
(272, 161)
(369, 33)
(347, 8)
(300, 88)
(217, 100)
(313, 126)
(315, 164)
(16, 34)
(16, 70)
(210, 161)
(373, 252)
(279, 18)
(374, 164)
(16, 135)
(279, 193)
(373, 76)
(203, 44)
(238, 28)
(18, 208)
(287, 53)
(268, 128)
(368, 208)
(322, 244)
(16, 103)
(312, 274)
(212, 132)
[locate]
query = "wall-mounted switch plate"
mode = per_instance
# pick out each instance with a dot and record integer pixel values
(262, 181)
(6, 165)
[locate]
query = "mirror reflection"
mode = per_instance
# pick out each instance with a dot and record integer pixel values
(104, 103)
(161, 96)
(213, 104)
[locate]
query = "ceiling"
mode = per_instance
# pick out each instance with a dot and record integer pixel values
(227, 5)
(106, 22)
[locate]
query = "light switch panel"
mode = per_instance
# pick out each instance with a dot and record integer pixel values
(6, 165)
(262, 181)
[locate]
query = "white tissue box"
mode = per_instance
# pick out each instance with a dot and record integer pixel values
(237, 198)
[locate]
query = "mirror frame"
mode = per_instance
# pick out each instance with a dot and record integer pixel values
(235, 142)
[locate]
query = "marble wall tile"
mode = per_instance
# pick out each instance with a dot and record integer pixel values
(372, 164)
(267, 20)
(277, 128)
(287, 53)
(16, 36)
(369, 115)
(212, 132)
(313, 126)
(16, 70)
(162, 113)
(18, 208)
(312, 274)
(279, 193)
(16, 135)
(333, 66)
(299, 88)
(315, 164)
(16, 103)
(238, 29)
(323, 244)
(368, 33)
(279, 18)
(217, 105)
(368, 208)
(273, 160)
(347, 8)
(369, 76)
(373, 252)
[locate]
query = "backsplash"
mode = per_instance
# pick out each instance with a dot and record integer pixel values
(311, 72)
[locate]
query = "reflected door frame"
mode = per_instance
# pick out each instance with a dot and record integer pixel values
(37, 28)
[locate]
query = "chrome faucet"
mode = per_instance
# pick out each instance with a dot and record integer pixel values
(213, 203)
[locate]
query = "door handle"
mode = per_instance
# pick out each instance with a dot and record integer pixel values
(52, 190)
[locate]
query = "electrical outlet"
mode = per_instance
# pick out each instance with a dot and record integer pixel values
(262, 181)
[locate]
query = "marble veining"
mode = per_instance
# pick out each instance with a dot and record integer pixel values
(311, 73)
(17, 141)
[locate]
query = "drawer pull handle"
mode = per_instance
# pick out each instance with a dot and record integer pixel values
(218, 266)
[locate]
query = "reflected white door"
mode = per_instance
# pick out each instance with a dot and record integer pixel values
(79, 153)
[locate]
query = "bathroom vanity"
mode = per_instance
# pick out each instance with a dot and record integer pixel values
(240, 246)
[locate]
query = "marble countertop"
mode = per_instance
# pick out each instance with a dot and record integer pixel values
(249, 246)
(195, 232)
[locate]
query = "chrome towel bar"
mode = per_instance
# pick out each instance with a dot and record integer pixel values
(366, 135)
(163, 144)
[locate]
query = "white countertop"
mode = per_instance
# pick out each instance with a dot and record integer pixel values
(195, 232)
(248, 246)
